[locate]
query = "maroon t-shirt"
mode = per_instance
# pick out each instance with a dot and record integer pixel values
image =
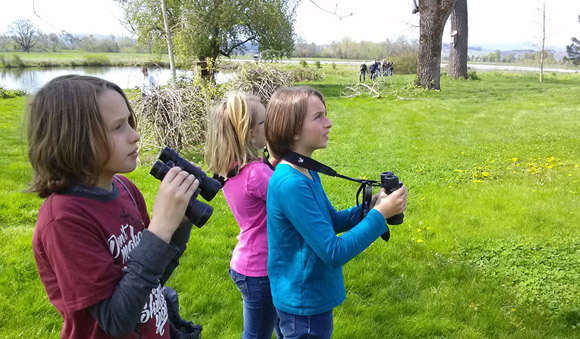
(81, 246)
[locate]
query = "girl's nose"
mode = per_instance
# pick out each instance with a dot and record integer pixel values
(135, 137)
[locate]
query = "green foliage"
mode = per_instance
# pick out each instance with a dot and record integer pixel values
(352, 50)
(303, 63)
(300, 74)
(540, 273)
(405, 63)
(7, 93)
(14, 62)
(206, 28)
(317, 63)
(96, 60)
(573, 51)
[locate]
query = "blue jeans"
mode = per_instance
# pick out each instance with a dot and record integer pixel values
(306, 326)
(260, 318)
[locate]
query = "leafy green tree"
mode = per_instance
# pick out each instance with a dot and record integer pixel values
(573, 51)
(205, 29)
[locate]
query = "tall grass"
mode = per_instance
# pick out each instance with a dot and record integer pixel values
(489, 247)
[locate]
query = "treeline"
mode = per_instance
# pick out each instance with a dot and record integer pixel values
(69, 42)
(401, 52)
(350, 49)
(526, 57)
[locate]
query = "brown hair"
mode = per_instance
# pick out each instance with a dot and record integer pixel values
(68, 142)
(285, 115)
(228, 136)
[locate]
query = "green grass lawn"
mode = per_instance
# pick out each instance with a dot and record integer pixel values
(489, 247)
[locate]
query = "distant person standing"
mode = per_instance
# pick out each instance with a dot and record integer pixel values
(149, 85)
(391, 67)
(363, 72)
(372, 70)
(384, 68)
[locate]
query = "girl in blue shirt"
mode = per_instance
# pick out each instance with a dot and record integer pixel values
(305, 256)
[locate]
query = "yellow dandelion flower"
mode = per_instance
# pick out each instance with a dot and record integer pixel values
(485, 174)
(419, 240)
(514, 159)
(418, 230)
(428, 227)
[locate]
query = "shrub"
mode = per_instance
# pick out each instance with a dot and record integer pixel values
(175, 117)
(17, 61)
(7, 93)
(306, 74)
(303, 63)
(405, 63)
(96, 60)
(260, 79)
(317, 64)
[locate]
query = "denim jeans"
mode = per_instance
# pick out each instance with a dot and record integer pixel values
(260, 318)
(306, 326)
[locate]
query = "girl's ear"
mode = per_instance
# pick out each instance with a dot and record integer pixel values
(296, 137)
(253, 133)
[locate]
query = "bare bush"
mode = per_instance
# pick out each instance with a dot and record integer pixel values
(260, 79)
(175, 117)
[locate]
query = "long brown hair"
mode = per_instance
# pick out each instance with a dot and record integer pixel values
(285, 115)
(68, 142)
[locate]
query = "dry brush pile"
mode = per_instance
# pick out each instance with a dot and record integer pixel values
(176, 116)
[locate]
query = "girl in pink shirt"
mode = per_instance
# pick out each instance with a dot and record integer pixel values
(235, 138)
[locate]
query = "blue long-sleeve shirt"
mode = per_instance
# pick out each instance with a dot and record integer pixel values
(305, 256)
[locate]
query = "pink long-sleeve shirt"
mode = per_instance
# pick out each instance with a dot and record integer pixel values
(246, 194)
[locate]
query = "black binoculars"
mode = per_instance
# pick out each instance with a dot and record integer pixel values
(197, 212)
(390, 182)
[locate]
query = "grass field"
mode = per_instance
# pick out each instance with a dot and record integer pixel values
(490, 244)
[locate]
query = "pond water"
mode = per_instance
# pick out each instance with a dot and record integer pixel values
(32, 79)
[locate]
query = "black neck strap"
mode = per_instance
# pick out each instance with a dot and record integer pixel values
(313, 165)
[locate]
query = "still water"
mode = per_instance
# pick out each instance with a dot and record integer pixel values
(32, 79)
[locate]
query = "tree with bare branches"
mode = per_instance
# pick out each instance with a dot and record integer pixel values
(25, 33)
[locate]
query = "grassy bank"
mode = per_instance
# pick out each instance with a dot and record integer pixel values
(73, 58)
(489, 247)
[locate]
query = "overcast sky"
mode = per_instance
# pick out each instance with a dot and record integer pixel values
(496, 22)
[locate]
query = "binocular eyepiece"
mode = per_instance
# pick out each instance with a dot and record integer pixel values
(197, 212)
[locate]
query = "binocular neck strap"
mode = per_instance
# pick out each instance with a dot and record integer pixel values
(311, 164)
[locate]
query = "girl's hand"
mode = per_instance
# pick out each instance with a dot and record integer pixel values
(392, 204)
(174, 193)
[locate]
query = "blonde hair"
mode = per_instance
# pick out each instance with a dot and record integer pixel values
(285, 117)
(229, 141)
(68, 142)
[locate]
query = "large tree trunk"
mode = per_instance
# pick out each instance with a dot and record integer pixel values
(458, 49)
(433, 15)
